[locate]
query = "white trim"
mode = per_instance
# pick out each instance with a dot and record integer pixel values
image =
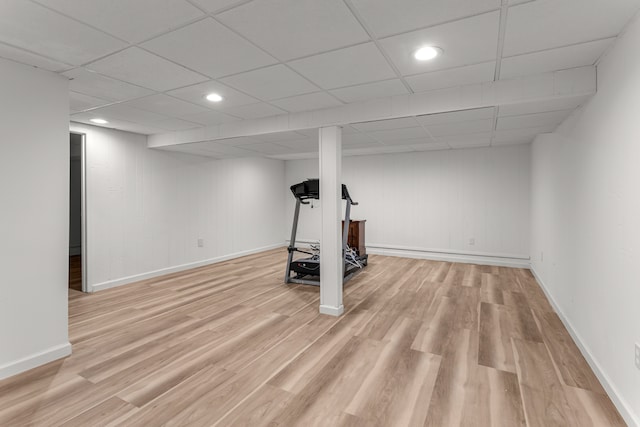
(621, 404)
(449, 251)
(573, 82)
(452, 257)
(35, 360)
(483, 258)
(135, 278)
(331, 310)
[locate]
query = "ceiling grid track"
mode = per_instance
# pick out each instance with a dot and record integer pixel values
(374, 39)
(504, 11)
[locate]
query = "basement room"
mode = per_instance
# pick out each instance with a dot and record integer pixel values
(319, 213)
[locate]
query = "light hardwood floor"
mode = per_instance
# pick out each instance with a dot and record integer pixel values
(421, 343)
(75, 272)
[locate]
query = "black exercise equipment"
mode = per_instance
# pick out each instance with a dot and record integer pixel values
(307, 270)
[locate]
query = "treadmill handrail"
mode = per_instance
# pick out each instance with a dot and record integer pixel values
(310, 189)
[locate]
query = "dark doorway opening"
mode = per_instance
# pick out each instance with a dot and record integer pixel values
(75, 212)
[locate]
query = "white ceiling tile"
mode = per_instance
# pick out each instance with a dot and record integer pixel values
(431, 146)
(80, 102)
(210, 118)
(469, 74)
(370, 91)
(255, 111)
(197, 94)
(532, 120)
(24, 57)
(345, 67)
(465, 42)
(209, 48)
(411, 141)
(310, 101)
(166, 105)
(269, 83)
(236, 142)
(546, 24)
(126, 113)
(457, 116)
(554, 59)
(132, 21)
(134, 65)
(293, 28)
(94, 84)
(117, 124)
(173, 124)
(461, 128)
(393, 135)
(403, 122)
(217, 5)
(397, 16)
(32, 27)
(542, 106)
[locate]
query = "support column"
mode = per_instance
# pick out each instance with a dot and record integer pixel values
(331, 260)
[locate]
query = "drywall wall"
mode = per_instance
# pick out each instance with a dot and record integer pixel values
(75, 196)
(34, 221)
(585, 222)
(147, 208)
(467, 205)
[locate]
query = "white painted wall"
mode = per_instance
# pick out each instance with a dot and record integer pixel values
(586, 221)
(34, 221)
(146, 208)
(433, 202)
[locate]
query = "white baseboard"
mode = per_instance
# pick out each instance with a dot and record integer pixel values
(143, 276)
(35, 360)
(467, 258)
(331, 310)
(621, 404)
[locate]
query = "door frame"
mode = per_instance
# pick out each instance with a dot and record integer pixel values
(83, 209)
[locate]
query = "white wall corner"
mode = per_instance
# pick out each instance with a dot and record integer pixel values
(626, 411)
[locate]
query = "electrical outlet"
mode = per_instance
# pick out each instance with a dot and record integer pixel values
(472, 241)
(200, 243)
(637, 355)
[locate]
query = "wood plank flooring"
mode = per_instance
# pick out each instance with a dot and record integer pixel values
(75, 272)
(421, 343)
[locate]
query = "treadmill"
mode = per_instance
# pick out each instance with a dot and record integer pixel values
(306, 270)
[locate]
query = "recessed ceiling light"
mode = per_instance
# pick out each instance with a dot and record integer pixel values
(214, 97)
(99, 121)
(426, 53)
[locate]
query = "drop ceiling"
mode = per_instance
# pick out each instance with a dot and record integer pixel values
(146, 65)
